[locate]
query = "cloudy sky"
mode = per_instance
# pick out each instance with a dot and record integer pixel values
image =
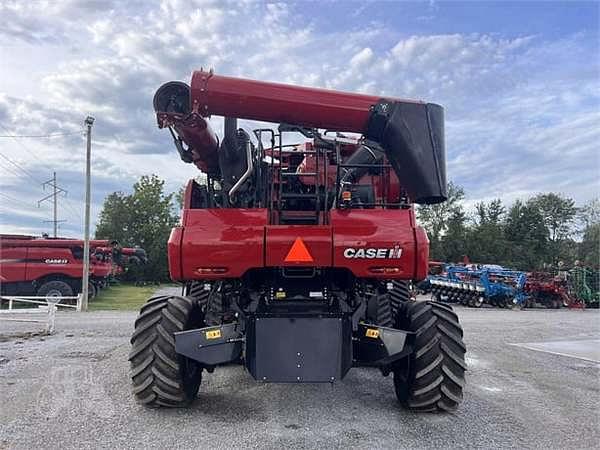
(519, 81)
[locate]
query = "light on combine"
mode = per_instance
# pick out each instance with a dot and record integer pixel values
(384, 269)
(211, 270)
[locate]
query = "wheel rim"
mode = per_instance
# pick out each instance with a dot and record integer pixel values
(53, 293)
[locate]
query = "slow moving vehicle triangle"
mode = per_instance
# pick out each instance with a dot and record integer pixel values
(298, 252)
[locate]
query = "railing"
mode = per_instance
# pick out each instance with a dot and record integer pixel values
(52, 304)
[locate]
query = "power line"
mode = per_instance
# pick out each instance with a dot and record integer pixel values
(11, 170)
(31, 152)
(52, 183)
(16, 201)
(72, 211)
(18, 166)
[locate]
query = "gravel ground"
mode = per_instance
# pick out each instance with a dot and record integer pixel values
(71, 390)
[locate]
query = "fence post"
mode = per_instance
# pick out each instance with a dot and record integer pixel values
(10, 304)
(51, 317)
(79, 301)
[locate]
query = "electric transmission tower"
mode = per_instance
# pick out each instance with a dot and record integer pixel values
(54, 196)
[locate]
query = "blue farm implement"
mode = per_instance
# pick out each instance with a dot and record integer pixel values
(474, 287)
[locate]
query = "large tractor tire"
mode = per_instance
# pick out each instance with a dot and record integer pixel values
(92, 291)
(383, 306)
(434, 377)
(399, 295)
(160, 376)
(55, 288)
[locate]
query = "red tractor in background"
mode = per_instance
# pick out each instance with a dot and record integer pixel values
(45, 266)
(296, 258)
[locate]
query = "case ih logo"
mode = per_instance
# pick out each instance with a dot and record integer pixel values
(373, 253)
(56, 261)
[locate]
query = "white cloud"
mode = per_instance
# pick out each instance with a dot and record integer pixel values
(362, 58)
(520, 110)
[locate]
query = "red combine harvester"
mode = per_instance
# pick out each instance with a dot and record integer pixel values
(296, 257)
(54, 266)
(119, 258)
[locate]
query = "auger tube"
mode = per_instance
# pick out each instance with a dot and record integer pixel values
(410, 132)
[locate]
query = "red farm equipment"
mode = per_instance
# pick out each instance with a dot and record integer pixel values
(296, 258)
(550, 291)
(120, 258)
(54, 266)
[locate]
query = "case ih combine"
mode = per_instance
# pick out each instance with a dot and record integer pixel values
(54, 266)
(296, 257)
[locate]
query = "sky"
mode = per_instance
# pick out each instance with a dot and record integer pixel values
(520, 83)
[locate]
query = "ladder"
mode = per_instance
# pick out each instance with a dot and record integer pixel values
(289, 206)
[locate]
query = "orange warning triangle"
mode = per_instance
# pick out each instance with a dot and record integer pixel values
(298, 252)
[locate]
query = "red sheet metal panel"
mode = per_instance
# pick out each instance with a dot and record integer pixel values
(375, 242)
(222, 243)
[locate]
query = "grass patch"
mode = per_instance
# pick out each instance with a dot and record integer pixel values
(123, 297)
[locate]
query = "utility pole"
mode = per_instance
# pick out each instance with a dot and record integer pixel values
(89, 121)
(54, 196)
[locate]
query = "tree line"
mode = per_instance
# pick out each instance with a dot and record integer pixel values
(537, 233)
(527, 235)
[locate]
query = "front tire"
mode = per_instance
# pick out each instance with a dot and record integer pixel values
(433, 378)
(160, 376)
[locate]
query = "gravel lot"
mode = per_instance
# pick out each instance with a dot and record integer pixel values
(71, 390)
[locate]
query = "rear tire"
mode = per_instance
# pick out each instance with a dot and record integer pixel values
(55, 288)
(434, 377)
(92, 291)
(160, 376)
(399, 295)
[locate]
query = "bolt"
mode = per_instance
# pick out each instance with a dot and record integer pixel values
(298, 353)
(298, 366)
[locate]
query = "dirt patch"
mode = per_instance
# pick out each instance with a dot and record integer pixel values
(6, 337)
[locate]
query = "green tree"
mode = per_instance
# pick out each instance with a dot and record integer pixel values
(434, 218)
(526, 236)
(114, 220)
(179, 197)
(589, 214)
(558, 216)
(589, 219)
(144, 218)
(454, 243)
(486, 237)
(589, 249)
